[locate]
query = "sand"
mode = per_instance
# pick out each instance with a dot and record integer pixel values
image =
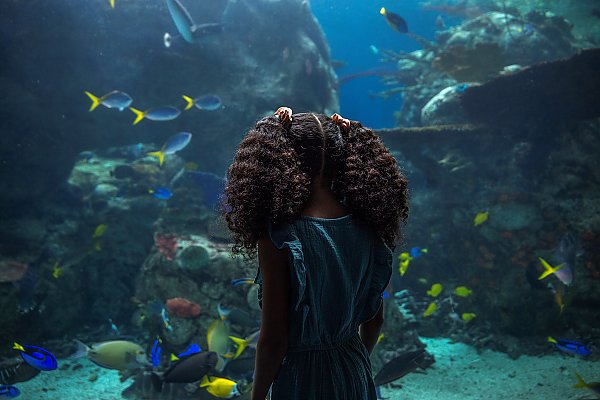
(459, 373)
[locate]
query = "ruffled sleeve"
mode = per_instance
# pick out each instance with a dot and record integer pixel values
(282, 237)
(380, 278)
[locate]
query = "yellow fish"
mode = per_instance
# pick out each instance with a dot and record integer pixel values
(381, 336)
(404, 259)
(468, 317)
(463, 291)
(430, 309)
(559, 302)
(99, 231)
(480, 218)
(435, 290)
(112, 3)
(548, 269)
(57, 270)
(220, 387)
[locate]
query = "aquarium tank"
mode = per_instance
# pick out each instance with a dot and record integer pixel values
(119, 119)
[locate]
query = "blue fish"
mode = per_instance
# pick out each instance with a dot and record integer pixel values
(416, 252)
(161, 193)
(211, 185)
(114, 99)
(385, 295)
(208, 102)
(569, 346)
(185, 25)
(164, 113)
(460, 88)
(241, 281)
(192, 349)
(156, 352)
(175, 143)
(37, 357)
(9, 392)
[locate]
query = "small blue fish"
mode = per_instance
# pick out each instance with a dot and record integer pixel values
(164, 113)
(161, 193)
(9, 392)
(156, 352)
(241, 281)
(114, 327)
(166, 320)
(37, 357)
(569, 346)
(416, 252)
(114, 99)
(176, 143)
(192, 349)
(209, 102)
(385, 295)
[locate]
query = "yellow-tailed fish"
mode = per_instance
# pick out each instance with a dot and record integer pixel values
(112, 3)
(99, 231)
(548, 269)
(57, 270)
(175, 143)
(379, 338)
(594, 387)
(208, 102)
(163, 113)
(174, 357)
(435, 290)
(250, 341)
(220, 387)
(430, 309)
(463, 291)
(468, 317)
(114, 99)
(480, 218)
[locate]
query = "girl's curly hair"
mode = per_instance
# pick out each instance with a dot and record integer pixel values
(270, 178)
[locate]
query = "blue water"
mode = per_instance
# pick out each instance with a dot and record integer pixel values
(351, 28)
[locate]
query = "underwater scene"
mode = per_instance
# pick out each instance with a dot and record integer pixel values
(119, 120)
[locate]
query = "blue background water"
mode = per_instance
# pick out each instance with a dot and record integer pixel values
(351, 28)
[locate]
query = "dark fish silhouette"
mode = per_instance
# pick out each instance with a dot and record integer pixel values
(21, 372)
(186, 370)
(401, 366)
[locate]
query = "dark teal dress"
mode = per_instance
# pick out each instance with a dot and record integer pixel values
(339, 269)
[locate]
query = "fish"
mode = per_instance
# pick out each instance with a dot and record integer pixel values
(400, 366)
(57, 270)
(404, 261)
(113, 327)
(569, 346)
(9, 392)
(208, 102)
(435, 290)
(548, 269)
(240, 368)
(430, 309)
(114, 99)
(163, 113)
(161, 193)
(156, 352)
(416, 252)
(217, 338)
(250, 341)
(237, 316)
(165, 319)
(241, 281)
(175, 143)
(566, 253)
(188, 369)
(468, 317)
(99, 231)
(185, 25)
(593, 386)
(220, 387)
(211, 185)
(463, 291)
(120, 355)
(191, 349)
(37, 357)
(19, 372)
(480, 218)
(374, 49)
(112, 3)
(379, 338)
(394, 20)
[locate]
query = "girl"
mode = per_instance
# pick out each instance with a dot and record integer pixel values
(321, 201)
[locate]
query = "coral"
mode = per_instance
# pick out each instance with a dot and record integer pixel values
(182, 308)
(166, 244)
(12, 271)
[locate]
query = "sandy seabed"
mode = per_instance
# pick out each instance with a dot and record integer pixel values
(458, 373)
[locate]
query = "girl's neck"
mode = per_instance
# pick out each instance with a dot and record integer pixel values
(323, 203)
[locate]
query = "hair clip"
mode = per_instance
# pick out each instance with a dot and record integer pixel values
(285, 116)
(341, 122)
